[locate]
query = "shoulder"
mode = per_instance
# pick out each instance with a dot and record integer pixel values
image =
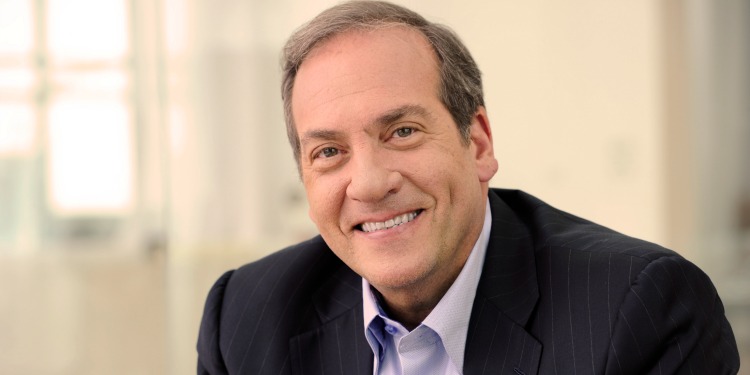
(626, 297)
(260, 289)
(561, 232)
(253, 310)
(283, 270)
(569, 247)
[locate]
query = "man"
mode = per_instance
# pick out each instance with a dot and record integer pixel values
(420, 268)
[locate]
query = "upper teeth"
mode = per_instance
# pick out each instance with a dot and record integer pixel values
(390, 223)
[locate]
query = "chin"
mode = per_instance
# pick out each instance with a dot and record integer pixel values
(396, 277)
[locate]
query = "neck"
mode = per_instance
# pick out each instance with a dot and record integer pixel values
(411, 305)
(406, 308)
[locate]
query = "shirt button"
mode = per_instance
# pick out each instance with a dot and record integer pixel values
(391, 329)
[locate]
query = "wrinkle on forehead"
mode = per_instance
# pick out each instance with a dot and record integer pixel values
(334, 98)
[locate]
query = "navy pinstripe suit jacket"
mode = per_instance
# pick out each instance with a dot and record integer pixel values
(557, 295)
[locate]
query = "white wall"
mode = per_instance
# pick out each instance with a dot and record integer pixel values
(573, 93)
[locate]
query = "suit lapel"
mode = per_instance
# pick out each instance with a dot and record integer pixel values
(339, 345)
(497, 342)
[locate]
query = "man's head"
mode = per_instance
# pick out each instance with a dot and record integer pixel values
(396, 186)
(460, 87)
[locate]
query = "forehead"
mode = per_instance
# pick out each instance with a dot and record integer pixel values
(388, 35)
(360, 70)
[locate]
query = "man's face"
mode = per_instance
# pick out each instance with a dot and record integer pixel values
(392, 188)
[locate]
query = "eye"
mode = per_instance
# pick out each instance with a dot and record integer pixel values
(327, 152)
(403, 132)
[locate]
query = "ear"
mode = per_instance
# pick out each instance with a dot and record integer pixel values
(481, 140)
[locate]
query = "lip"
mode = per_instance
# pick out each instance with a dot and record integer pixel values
(357, 228)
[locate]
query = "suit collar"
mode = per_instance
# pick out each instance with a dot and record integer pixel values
(340, 294)
(509, 279)
(338, 345)
(497, 341)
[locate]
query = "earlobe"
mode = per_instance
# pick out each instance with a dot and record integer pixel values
(481, 138)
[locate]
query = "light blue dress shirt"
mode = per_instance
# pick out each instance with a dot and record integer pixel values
(437, 345)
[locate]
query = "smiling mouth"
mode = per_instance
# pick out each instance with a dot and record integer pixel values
(388, 224)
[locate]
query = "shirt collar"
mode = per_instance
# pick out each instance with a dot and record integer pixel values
(450, 318)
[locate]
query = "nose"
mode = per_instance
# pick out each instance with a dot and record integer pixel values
(372, 177)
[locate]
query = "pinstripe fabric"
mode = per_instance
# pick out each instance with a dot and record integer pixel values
(254, 315)
(497, 342)
(558, 295)
(611, 304)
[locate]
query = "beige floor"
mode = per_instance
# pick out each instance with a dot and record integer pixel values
(85, 313)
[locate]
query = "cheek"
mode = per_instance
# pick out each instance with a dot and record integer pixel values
(320, 207)
(444, 170)
(324, 200)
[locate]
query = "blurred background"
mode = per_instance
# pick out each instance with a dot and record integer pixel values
(142, 152)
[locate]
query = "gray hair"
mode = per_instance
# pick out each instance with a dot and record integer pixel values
(460, 87)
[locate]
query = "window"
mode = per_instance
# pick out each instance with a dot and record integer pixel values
(67, 133)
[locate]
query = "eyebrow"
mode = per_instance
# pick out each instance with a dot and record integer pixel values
(397, 114)
(384, 119)
(321, 134)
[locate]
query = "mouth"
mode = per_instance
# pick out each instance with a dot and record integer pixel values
(369, 227)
